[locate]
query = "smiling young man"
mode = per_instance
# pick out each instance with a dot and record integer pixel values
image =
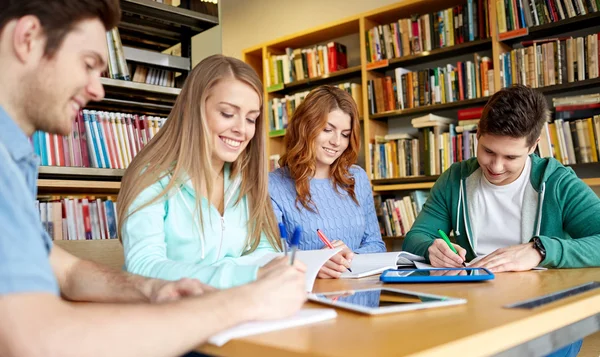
(52, 53)
(507, 204)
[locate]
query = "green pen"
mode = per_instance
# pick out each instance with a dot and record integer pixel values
(447, 240)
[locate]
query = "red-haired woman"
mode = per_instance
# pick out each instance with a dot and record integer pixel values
(317, 187)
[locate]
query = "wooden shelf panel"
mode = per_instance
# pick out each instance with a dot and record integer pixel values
(156, 26)
(296, 86)
(317, 35)
(437, 54)
(559, 88)
(277, 133)
(430, 108)
(404, 180)
(558, 28)
(54, 186)
(592, 181)
(393, 237)
(80, 172)
(403, 187)
(104, 251)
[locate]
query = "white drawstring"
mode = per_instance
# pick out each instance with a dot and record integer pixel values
(460, 194)
(540, 206)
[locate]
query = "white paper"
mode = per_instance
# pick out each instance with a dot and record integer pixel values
(313, 259)
(302, 317)
(375, 263)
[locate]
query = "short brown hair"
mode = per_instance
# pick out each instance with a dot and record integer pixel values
(517, 111)
(58, 17)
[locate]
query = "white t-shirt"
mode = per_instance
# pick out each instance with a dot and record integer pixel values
(495, 213)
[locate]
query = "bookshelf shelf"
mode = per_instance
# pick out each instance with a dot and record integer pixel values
(429, 108)
(403, 187)
(308, 82)
(110, 83)
(592, 181)
(404, 180)
(577, 85)
(556, 28)
(393, 237)
(46, 186)
(157, 59)
(434, 55)
(81, 173)
(156, 26)
(130, 106)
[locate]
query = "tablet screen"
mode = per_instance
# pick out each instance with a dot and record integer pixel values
(436, 272)
(377, 298)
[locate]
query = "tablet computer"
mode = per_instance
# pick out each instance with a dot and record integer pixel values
(379, 301)
(435, 275)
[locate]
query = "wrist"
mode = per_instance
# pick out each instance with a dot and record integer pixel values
(538, 246)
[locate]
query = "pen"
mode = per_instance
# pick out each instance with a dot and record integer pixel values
(326, 241)
(447, 240)
(294, 243)
(283, 235)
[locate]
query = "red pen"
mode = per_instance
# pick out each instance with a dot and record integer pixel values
(326, 241)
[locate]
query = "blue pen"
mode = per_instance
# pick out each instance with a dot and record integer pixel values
(283, 235)
(294, 243)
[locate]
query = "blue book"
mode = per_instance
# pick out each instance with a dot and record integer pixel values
(91, 140)
(111, 219)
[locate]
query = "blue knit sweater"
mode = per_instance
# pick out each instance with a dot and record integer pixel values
(337, 214)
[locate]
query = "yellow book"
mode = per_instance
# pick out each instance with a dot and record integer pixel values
(590, 132)
(554, 139)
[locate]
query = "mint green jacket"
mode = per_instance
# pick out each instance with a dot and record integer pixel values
(560, 209)
(165, 240)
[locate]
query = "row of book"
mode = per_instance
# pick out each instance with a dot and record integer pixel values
(518, 14)
(303, 63)
(397, 215)
(99, 139)
(408, 89)
(155, 76)
(409, 36)
(282, 109)
(78, 218)
(439, 144)
(552, 61)
(574, 136)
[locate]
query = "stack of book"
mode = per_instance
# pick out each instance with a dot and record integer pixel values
(397, 215)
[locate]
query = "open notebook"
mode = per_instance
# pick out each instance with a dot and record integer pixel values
(375, 263)
(302, 317)
(420, 265)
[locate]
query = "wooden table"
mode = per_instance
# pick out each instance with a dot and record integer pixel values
(482, 327)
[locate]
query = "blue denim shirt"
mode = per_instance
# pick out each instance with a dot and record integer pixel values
(24, 245)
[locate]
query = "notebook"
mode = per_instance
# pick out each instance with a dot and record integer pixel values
(375, 263)
(302, 317)
(313, 259)
(420, 265)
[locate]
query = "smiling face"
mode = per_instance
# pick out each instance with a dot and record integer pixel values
(59, 86)
(332, 141)
(502, 158)
(232, 109)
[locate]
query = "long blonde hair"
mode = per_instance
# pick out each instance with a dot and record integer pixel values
(183, 148)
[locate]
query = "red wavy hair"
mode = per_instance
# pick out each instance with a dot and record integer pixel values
(308, 121)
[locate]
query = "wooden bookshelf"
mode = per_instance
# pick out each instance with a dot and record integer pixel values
(377, 124)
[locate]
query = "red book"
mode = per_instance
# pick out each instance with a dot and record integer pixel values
(470, 113)
(60, 159)
(85, 158)
(50, 138)
(86, 218)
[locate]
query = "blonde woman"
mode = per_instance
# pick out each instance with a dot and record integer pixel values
(195, 199)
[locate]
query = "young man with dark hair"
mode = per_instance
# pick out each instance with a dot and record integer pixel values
(507, 204)
(52, 53)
